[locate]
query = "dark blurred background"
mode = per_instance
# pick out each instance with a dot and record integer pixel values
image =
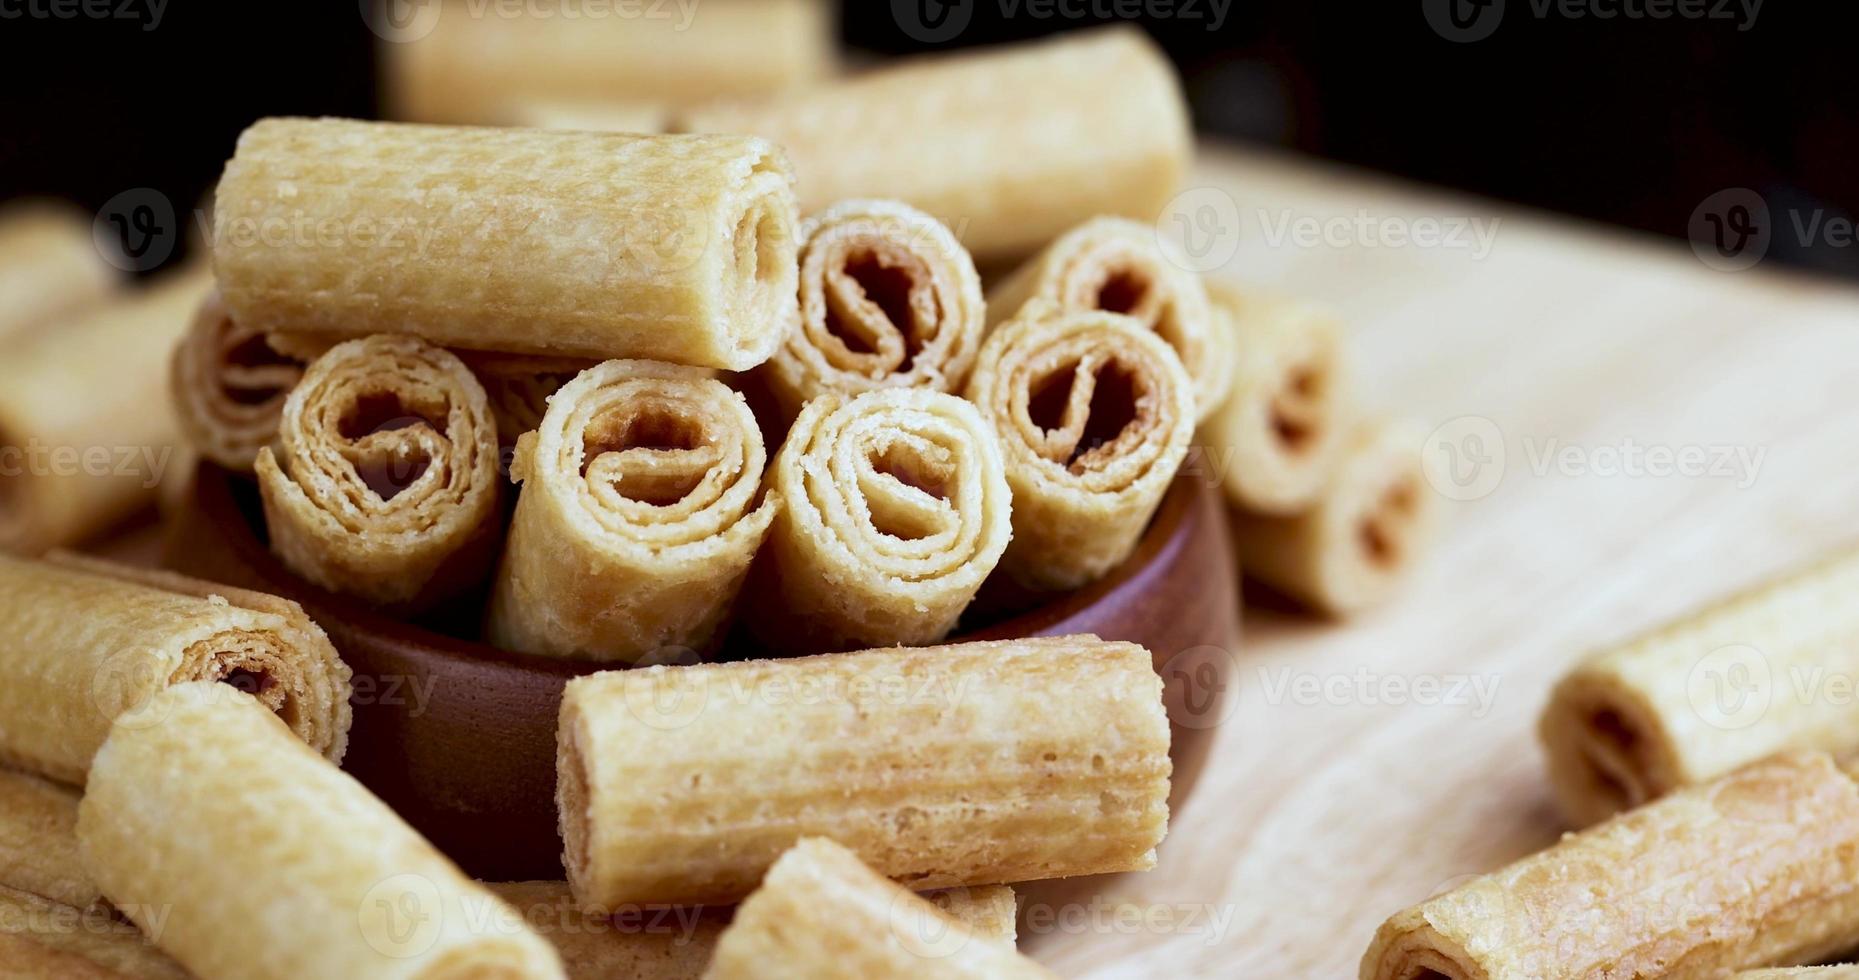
(1632, 119)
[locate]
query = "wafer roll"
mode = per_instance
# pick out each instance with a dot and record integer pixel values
(38, 841)
(219, 811)
(970, 764)
(1361, 537)
(229, 387)
(1094, 414)
(385, 483)
(1755, 869)
(593, 117)
(518, 387)
(641, 509)
(42, 940)
(1752, 675)
(49, 267)
(677, 248)
(821, 912)
(888, 298)
(1008, 147)
(894, 509)
(88, 640)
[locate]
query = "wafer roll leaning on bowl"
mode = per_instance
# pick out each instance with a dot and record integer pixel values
(1754, 869)
(1754, 674)
(229, 387)
(1008, 147)
(969, 764)
(217, 809)
(49, 267)
(642, 507)
(676, 248)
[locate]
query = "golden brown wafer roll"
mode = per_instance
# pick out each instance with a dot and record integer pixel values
(1274, 442)
(49, 267)
(1094, 414)
(1695, 698)
(893, 510)
(86, 431)
(1007, 147)
(596, 245)
(38, 841)
(641, 509)
(265, 861)
(518, 387)
(821, 912)
(1361, 537)
(88, 640)
(229, 387)
(42, 940)
(1754, 869)
(969, 764)
(385, 482)
(888, 298)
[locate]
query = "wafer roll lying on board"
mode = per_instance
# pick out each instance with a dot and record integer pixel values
(893, 510)
(677, 248)
(641, 509)
(49, 267)
(1094, 413)
(1754, 869)
(969, 764)
(229, 387)
(88, 640)
(218, 810)
(42, 940)
(384, 485)
(820, 912)
(1746, 677)
(38, 841)
(518, 387)
(1008, 147)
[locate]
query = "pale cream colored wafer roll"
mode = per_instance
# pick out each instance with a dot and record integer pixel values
(50, 269)
(1008, 147)
(264, 861)
(1095, 414)
(968, 764)
(641, 509)
(595, 245)
(589, 116)
(820, 912)
(43, 940)
(38, 841)
(1754, 869)
(1361, 537)
(86, 428)
(518, 387)
(88, 640)
(229, 387)
(1695, 698)
(888, 298)
(385, 485)
(894, 507)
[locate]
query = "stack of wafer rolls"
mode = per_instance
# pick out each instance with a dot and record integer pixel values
(229, 387)
(49, 267)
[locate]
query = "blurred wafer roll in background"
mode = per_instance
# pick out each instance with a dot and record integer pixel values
(1840, 972)
(38, 841)
(44, 940)
(88, 641)
(1698, 697)
(1754, 869)
(820, 912)
(596, 117)
(229, 387)
(213, 809)
(50, 268)
(1094, 413)
(1008, 147)
(642, 507)
(384, 485)
(595, 245)
(888, 298)
(967, 764)
(894, 508)
(518, 387)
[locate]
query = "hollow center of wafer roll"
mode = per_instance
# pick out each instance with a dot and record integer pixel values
(252, 373)
(1122, 291)
(1295, 411)
(886, 286)
(246, 661)
(1384, 529)
(648, 452)
(912, 516)
(390, 440)
(1085, 410)
(1617, 748)
(757, 237)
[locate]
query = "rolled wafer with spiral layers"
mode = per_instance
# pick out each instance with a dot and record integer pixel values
(49, 267)
(229, 387)
(1094, 413)
(642, 507)
(968, 764)
(384, 485)
(894, 508)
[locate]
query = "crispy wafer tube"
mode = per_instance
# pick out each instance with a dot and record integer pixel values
(1362, 535)
(214, 810)
(968, 764)
(49, 267)
(888, 298)
(642, 507)
(43, 940)
(678, 248)
(518, 387)
(88, 640)
(385, 485)
(893, 510)
(86, 431)
(1754, 869)
(1094, 414)
(38, 841)
(1274, 442)
(821, 912)
(1703, 695)
(1009, 147)
(229, 387)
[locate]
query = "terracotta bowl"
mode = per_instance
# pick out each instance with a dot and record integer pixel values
(460, 737)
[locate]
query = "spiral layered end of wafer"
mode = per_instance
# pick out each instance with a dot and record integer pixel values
(229, 387)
